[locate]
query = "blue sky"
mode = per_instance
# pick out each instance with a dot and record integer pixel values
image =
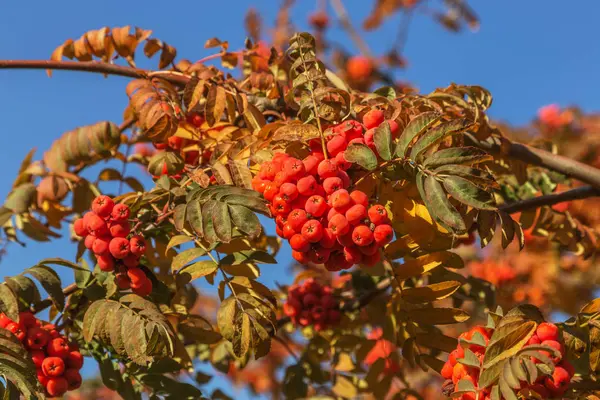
(527, 54)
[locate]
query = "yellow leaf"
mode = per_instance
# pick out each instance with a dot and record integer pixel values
(426, 294)
(424, 264)
(344, 388)
(345, 363)
(438, 316)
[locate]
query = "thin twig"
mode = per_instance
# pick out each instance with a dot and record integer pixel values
(342, 15)
(551, 199)
(42, 305)
(287, 347)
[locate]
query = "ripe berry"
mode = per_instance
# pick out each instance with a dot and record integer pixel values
(369, 138)
(340, 200)
(447, 371)
(97, 226)
(319, 255)
(122, 281)
(288, 231)
(120, 212)
(74, 360)
(100, 246)
(73, 378)
(38, 357)
(336, 144)
(53, 366)
(332, 184)
(362, 235)
(294, 168)
(86, 219)
(359, 140)
(79, 228)
(19, 331)
(58, 347)
(27, 319)
(378, 214)
(346, 239)
(359, 68)
(371, 260)
(131, 261)
(280, 206)
(301, 257)
(89, 241)
(394, 128)
(312, 231)
(37, 338)
(329, 239)
(137, 245)
(103, 206)
(42, 378)
(356, 214)
(383, 234)
(299, 243)
(311, 163)
(327, 169)
(341, 162)
(557, 346)
(267, 171)
(176, 142)
(534, 339)
(339, 225)
(352, 255)
(144, 289)
(559, 381)
(106, 263)
(288, 191)
(547, 331)
(271, 190)
(307, 186)
(57, 386)
(297, 218)
(136, 275)
(373, 119)
(119, 247)
(369, 250)
(359, 197)
(316, 205)
(282, 177)
(258, 184)
(119, 229)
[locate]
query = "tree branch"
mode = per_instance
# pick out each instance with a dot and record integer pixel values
(94, 66)
(551, 199)
(69, 290)
(542, 158)
(342, 15)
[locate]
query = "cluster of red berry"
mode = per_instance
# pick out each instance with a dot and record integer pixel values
(324, 222)
(57, 361)
(312, 304)
(547, 387)
(106, 230)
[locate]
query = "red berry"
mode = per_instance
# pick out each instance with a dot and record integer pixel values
(86, 219)
(144, 289)
(339, 225)
(559, 381)
(294, 168)
(74, 360)
(359, 197)
(327, 168)
(37, 338)
(360, 140)
(316, 205)
(371, 260)
(288, 191)
(27, 319)
(131, 261)
(369, 138)
(19, 331)
(299, 243)
(359, 68)
(319, 255)
(282, 177)
(89, 241)
(383, 234)
(97, 226)
(329, 239)
(541, 390)
(340, 200)
(4, 320)
(268, 171)
(332, 184)
(119, 229)
(307, 186)
(42, 378)
(136, 275)
(373, 119)
(394, 128)
(351, 129)
(312, 231)
(79, 228)
(352, 255)
(57, 386)
(301, 257)
(38, 357)
(534, 339)
(119, 247)
(370, 249)
(280, 206)
(311, 163)
(557, 346)
(258, 184)
(362, 235)
(336, 145)
(103, 206)
(137, 245)
(356, 214)
(106, 263)
(122, 281)
(378, 214)
(297, 218)
(176, 142)
(120, 212)
(346, 239)
(271, 190)
(58, 347)
(288, 231)
(53, 366)
(100, 246)
(447, 371)
(547, 331)
(341, 162)
(73, 378)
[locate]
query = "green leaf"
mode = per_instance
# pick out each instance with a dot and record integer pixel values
(242, 337)
(486, 226)
(245, 220)
(222, 222)
(507, 340)
(507, 226)
(246, 256)
(474, 175)
(437, 134)
(362, 155)
(8, 302)
(468, 193)
(177, 240)
(179, 218)
(429, 293)
(21, 198)
(470, 359)
(457, 155)
(226, 317)
(50, 282)
(440, 207)
(207, 221)
(185, 257)
(506, 390)
(383, 141)
(386, 91)
(199, 269)
(414, 128)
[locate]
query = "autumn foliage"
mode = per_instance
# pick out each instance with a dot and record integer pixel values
(431, 246)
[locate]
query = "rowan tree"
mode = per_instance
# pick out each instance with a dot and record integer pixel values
(431, 244)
